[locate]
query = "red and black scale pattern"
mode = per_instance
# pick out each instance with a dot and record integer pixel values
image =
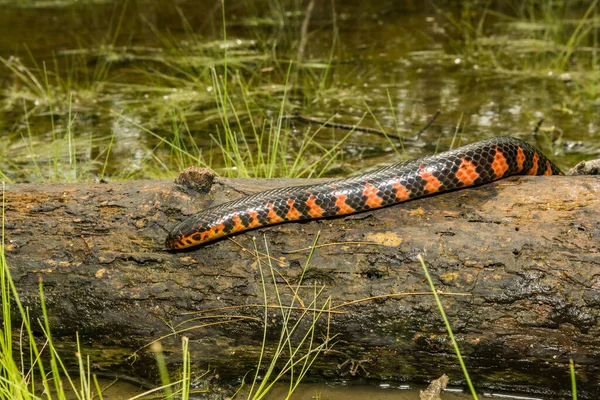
(474, 164)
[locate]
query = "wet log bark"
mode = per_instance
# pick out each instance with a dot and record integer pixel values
(518, 262)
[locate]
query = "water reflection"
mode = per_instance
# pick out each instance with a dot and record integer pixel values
(129, 84)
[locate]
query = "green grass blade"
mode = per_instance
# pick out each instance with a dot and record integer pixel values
(448, 328)
(573, 381)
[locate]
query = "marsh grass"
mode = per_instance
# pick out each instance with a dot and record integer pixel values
(554, 40)
(300, 354)
(222, 103)
(195, 103)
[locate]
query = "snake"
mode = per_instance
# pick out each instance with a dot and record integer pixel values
(474, 164)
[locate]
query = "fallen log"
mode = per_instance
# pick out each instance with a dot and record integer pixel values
(517, 262)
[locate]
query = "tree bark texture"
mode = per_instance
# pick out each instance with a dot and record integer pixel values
(517, 262)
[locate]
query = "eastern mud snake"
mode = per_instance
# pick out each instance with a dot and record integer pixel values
(474, 164)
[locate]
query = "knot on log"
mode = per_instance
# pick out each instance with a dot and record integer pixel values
(195, 180)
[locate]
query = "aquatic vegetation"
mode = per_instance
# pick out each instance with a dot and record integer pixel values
(548, 40)
(125, 106)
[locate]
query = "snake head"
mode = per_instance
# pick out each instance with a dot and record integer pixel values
(171, 241)
(175, 241)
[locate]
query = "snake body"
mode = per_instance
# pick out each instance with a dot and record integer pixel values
(473, 164)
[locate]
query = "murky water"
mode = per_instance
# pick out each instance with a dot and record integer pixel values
(356, 392)
(322, 391)
(118, 89)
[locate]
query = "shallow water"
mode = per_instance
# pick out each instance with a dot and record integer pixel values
(356, 392)
(121, 72)
(327, 391)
